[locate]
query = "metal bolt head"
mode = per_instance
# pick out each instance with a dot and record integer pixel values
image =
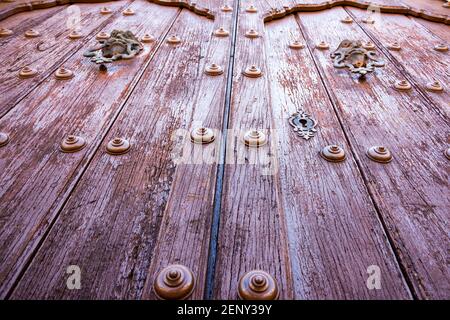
(118, 146)
(395, 46)
(221, 32)
(252, 34)
(72, 144)
(296, 45)
(175, 282)
(333, 153)
(258, 285)
(75, 35)
(251, 9)
(322, 45)
(63, 74)
(369, 20)
(447, 153)
(173, 39)
(128, 12)
(255, 138)
(435, 86)
(147, 38)
(347, 19)
(202, 135)
(102, 36)
(31, 33)
(4, 139)
(105, 10)
(441, 47)
(379, 154)
(226, 8)
(369, 45)
(402, 85)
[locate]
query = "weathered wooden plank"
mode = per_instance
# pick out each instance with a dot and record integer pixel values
(411, 192)
(333, 229)
(252, 231)
(111, 221)
(46, 52)
(184, 237)
(438, 29)
(417, 58)
(36, 178)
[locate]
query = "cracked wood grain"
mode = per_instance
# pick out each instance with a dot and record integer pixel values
(36, 178)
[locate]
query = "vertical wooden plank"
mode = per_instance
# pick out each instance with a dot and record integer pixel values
(110, 224)
(184, 237)
(333, 230)
(252, 223)
(46, 52)
(36, 178)
(417, 58)
(411, 192)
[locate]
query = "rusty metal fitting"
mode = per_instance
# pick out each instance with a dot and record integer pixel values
(258, 285)
(72, 144)
(379, 154)
(118, 146)
(175, 282)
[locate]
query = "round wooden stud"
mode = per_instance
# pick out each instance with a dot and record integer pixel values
(347, 19)
(296, 45)
(147, 38)
(226, 8)
(441, 47)
(75, 35)
(251, 9)
(202, 135)
(173, 39)
(323, 45)
(369, 45)
(379, 154)
(102, 36)
(128, 12)
(252, 34)
(252, 72)
(394, 46)
(221, 32)
(27, 72)
(258, 285)
(118, 146)
(4, 139)
(402, 85)
(435, 86)
(255, 138)
(4, 32)
(175, 282)
(333, 153)
(213, 70)
(105, 10)
(72, 144)
(31, 33)
(63, 74)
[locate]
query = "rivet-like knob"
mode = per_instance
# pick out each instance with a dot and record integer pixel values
(379, 154)
(394, 46)
(252, 72)
(202, 135)
(441, 47)
(175, 282)
(173, 39)
(118, 146)
(435, 86)
(72, 144)
(226, 8)
(255, 138)
(221, 32)
(63, 74)
(147, 38)
(347, 19)
(402, 85)
(32, 33)
(128, 12)
(105, 10)
(447, 4)
(75, 35)
(322, 45)
(4, 139)
(27, 72)
(369, 45)
(252, 33)
(213, 70)
(258, 285)
(4, 32)
(369, 20)
(296, 45)
(447, 153)
(102, 36)
(251, 9)
(333, 153)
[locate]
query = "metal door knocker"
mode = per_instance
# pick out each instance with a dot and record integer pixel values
(119, 45)
(352, 55)
(303, 124)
